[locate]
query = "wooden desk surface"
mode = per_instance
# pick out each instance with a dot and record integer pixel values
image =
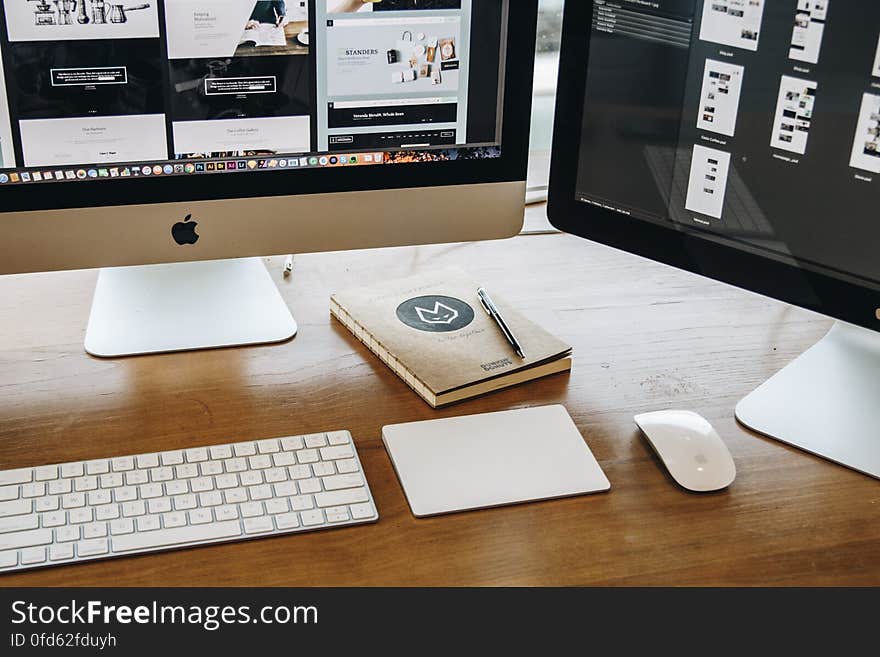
(645, 337)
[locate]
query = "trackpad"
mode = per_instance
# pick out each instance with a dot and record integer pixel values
(495, 459)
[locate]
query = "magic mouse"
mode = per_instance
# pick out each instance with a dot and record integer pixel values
(690, 448)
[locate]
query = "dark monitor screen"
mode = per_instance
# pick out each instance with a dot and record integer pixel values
(94, 90)
(754, 123)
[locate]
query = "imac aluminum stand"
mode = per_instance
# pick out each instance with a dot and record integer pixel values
(826, 402)
(186, 306)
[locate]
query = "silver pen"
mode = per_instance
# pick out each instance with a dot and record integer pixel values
(493, 312)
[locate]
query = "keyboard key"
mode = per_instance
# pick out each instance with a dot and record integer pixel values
(226, 512)
(277, 506)
(136, 477)
(269, 446)
(18, 540)
(148, 523)
(260, 462)
(149, 491)
(92, 547)
(235, 495)
(309, 486)
(251, 478)
(37, 489)
(221, 452)
(244, 449)
(284, 489)
(201, 484)
(186, 471)
(67, 533)
(122, 526)
(235, 465)
(338, 437)
(102, 496)
(251, 509)
(307, 455)
(171, 458)
(122, 463)
(8, 559)
(287, 521)
(212, 498)
(88, 482)
(337, 514)
(16, 507)
(311, 518)
(196, 455)
(125, 494)
(174, 519)
(159, 505)
(134, 508)
(338, 482)
(54, 519)
(145, 461)
(49, 503)
(361, 511)
(211, 468)
(302, 503)
(258, 525)
(111, 480)
(261, 492)
(283, 459)
(73, 500)
(60, 486)
(324, 469)
(94, 530)
(300, 471)
(200, 516)
(46, 472)
(163, 473)
(9, 477)
(292, 444)
(19, 523)
(98, 467)
(315, 440)
(340, 497)
(83, 514)
(107, 512)
(61, 551)
(274, 475)
(184, 502)
(225, 481)
(338, 452)
(177, 487)
(70, 470)
(33, 555)
(176, 536)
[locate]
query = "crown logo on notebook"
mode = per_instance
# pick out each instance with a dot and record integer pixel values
(441, 314)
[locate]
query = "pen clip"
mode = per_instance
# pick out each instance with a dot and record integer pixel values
(481, 294)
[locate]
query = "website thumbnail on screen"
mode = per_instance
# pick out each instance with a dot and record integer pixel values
(92, 89)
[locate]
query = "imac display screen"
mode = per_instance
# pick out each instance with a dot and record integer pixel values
(94, 90)
(754, 123)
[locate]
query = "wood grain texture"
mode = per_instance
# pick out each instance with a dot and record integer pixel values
(645, 337)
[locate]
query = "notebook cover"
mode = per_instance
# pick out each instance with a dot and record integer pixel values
(434, 326)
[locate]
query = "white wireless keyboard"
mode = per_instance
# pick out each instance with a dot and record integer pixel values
(72, 512)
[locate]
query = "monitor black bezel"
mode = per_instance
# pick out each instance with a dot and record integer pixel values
(798, 284)
(510, 167)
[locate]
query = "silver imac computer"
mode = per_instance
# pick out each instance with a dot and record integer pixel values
(160, 141)
(740, 139)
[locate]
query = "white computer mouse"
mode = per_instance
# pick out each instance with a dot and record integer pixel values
(690, 448)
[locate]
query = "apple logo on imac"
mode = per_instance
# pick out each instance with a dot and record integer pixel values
(184, 232)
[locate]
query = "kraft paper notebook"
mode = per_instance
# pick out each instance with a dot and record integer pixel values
(432, 331)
